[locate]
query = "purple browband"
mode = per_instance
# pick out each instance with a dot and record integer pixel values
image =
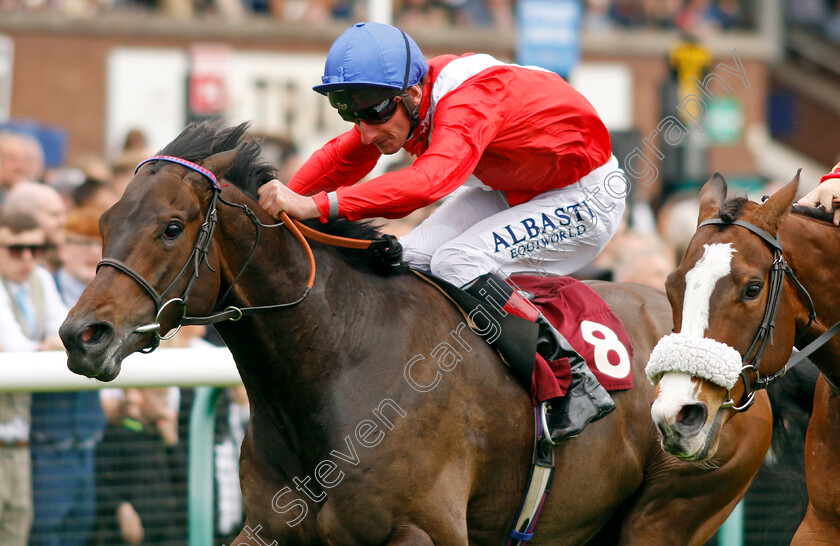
(188, 164)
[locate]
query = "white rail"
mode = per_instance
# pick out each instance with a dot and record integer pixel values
(47, 371)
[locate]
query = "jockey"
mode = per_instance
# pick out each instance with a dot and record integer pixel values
(538, 186)
(826, 194)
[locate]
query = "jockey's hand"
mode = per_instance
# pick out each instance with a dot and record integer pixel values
(826, 194)
(275, 198)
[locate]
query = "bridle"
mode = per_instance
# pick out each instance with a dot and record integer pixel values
(751, 360)
(385, 245)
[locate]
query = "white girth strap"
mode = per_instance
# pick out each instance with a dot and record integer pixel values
(539, 485)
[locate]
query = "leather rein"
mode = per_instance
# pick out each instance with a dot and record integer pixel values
(386, 245)
(751, 360)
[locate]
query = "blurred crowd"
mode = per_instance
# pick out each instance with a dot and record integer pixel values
(818, 17)
(684, 15)
(598, 15)
(89, 467)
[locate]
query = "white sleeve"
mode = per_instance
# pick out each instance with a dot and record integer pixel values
(12, 337)
(54, 308)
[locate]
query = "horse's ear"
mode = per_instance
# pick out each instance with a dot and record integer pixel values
(711, 197)
(219, 163)
(773, 212)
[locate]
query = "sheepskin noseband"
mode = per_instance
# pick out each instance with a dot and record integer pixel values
(700, 357)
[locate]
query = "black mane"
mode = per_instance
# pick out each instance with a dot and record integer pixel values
(250, 171)
(818, 213)
(733, 208)
(199, 141)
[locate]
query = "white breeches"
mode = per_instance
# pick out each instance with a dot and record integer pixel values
(476, 232)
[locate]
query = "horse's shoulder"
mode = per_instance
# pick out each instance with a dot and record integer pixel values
(629, 300)
(625, 291)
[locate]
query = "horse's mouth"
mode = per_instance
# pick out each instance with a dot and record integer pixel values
(677, 448)
(681, 448)
(95, 369)
(104, 369)
(105, 362)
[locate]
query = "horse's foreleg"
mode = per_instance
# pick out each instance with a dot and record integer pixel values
(409, 535)
(821, 524)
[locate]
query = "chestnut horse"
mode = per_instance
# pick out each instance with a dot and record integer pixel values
(377, 417)
(756, 280)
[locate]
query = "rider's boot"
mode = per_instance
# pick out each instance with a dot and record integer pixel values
(585, 400)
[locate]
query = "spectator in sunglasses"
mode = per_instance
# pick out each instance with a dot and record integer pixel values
(31, 312)
(32, 325)
(45, 204)
(528, 153)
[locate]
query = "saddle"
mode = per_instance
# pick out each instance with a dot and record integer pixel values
(514, 338)
(577, 311)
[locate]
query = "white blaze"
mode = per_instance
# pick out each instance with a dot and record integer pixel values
(700, 282)
(678, 358)
(676, 390)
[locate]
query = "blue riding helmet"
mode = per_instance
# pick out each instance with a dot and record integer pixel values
(373, 55)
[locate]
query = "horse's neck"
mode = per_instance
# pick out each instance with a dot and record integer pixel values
(811, 249)
(277, 272)
(289, 353)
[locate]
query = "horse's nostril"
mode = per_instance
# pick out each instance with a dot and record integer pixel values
(94, 334)
(88, 334)
(692, 415)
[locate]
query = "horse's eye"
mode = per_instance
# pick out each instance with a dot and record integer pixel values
(752, 291)
(173, 230)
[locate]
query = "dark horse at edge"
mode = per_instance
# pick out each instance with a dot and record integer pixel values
(343, 448)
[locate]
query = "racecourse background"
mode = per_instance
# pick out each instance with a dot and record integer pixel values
(78, 74)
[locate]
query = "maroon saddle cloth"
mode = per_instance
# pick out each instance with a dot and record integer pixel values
(592, 329)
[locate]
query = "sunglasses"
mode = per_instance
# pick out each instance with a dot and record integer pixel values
(89, 243)
(375, 115)
(16, 251)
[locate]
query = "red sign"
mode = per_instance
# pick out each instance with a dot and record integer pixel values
(207, 94)
(209, 67)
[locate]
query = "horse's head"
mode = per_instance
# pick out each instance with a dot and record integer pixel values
(159, 264)
(728, 307)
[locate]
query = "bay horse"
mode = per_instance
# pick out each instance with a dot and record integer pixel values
(342, 449)
(755, 281)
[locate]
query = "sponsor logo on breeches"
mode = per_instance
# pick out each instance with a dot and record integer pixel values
(545, 230)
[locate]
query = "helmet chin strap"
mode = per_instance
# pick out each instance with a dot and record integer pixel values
(413, 111)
